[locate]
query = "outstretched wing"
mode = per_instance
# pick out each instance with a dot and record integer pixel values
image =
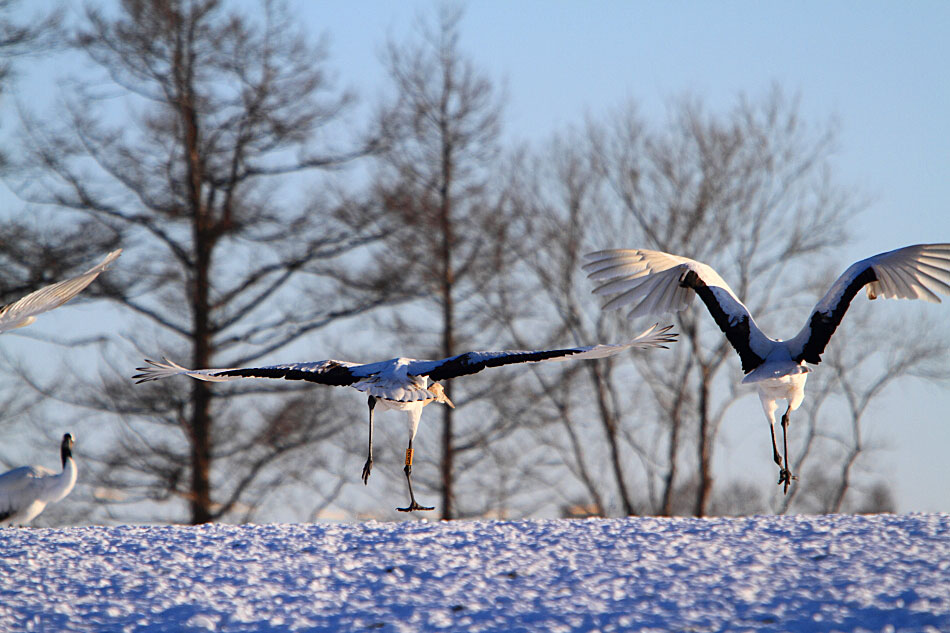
(23, 311)
(921, 271)
(659, 283)
(473, 362)
(325, 372)
(376, 379)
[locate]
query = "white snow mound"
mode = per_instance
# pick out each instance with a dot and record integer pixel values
(801, 573)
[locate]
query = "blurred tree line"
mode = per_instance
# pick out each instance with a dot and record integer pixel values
(264, 219)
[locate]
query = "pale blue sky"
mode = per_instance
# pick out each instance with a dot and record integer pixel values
(879, 69)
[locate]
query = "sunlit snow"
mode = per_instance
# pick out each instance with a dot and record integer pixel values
(801, 573)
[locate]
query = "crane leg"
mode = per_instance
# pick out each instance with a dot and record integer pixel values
(368, 466)
(413, 505)
(785, 476)
(775, 455)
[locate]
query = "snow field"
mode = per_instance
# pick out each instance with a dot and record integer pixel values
(767, 573)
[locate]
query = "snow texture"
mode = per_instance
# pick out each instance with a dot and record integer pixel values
(800, 573)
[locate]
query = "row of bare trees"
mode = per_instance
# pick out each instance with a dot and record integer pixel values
(212, 145)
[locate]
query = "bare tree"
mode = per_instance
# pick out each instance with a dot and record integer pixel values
(562, 197)
(229, 112)
(447, 228)
(24, 37)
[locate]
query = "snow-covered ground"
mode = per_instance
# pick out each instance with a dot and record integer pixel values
(802, 573)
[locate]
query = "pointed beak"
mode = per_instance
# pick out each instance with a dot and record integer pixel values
(446, 400)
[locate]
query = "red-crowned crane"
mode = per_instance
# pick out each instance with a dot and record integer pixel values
(26, 491)
(659, 283)
(404, 384)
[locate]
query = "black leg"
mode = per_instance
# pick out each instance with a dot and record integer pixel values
(775, 455)
(412, 498)
(368, 466)
(785, 475)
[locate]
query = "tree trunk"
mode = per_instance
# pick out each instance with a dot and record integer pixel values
(203, 238)
(705, 447)
(201, 421)
(666, 508)
(448, 314)
(609, 422)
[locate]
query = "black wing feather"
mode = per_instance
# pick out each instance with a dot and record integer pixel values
(333, 374)
(737, 334)
(474, 362)
(824, 325)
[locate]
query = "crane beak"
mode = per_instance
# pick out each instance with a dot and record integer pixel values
(445, 399)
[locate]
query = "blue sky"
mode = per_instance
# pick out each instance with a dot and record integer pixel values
(879, 69)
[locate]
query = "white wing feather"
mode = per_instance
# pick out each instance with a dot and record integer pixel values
(650, 282)
(637, 275)
(157, 371)
(23, 311)
(399, 389)
(913, 272)
(921, 271)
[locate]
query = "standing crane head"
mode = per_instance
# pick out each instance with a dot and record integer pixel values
(66, 448)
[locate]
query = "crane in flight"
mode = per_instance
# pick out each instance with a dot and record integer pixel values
(403, 384)
(653, 282)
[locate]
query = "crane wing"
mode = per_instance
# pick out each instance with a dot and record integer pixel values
(921, 271)
(473, 362)
(324, 372)
(376, 379)
(23, 311)
(660, 283)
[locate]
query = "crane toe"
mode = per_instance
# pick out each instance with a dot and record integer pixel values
(786, 477)
(415, 506)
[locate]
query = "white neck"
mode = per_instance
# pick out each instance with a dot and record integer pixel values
(62, 484)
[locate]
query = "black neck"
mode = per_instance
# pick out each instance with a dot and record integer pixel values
(65, 452)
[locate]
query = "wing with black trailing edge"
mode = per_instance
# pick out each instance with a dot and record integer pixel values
(654, 282)
(736, 328)
(324, 372)
(921, 271)
(473, 362)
